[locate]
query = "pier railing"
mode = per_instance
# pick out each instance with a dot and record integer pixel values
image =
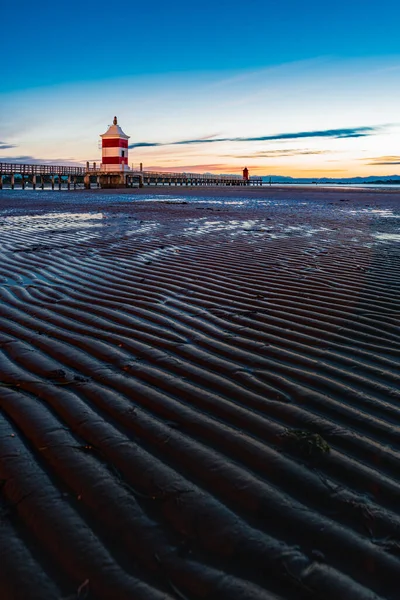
(28, 173)
(187, 175)
(169, 174)
(9, 168)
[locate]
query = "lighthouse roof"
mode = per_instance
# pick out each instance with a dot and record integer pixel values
(115, 131)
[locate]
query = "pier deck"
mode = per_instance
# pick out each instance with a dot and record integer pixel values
(38, 176)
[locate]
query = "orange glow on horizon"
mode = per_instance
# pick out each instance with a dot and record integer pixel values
(294, 171)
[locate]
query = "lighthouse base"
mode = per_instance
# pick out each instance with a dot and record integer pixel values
(113, 181)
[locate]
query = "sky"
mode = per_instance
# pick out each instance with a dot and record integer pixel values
(301, 89)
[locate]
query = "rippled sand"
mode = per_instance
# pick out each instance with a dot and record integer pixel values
(200, 395)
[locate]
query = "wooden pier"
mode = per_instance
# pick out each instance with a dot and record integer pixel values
(37, 176)
(64, 177)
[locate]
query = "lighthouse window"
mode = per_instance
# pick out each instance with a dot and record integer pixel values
(123, 153)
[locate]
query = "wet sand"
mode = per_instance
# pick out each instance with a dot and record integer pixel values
(199, 394)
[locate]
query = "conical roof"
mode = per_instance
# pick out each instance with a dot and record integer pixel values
(115, 131)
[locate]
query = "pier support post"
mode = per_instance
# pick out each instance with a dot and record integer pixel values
(69, 182)
(74, 182)
(59, 182)
(42, 182)
(12, 181)
(34, 182)
(52, 182)
(98, 181)
(23, 181)
(112, 181)
(1, 181)
(87, 181)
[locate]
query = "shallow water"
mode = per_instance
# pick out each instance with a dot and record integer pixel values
(52, 220)
(390, 237)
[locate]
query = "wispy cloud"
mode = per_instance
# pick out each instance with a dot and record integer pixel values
(350, 132)
(5, 146)
(383, 160)
(32, 160)
(277, 153)
(385, 163)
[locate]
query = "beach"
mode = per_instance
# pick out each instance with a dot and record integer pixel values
(199, 394)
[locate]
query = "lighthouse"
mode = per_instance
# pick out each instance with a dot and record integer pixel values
(114, 145)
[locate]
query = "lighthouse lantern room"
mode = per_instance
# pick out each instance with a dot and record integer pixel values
(114, 145)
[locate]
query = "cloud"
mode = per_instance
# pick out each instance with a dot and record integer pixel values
(383, 160)
(278, 153)
(32, 160)
(17, 159)
(5, 146)
(335, 133)
(351, 132)
(384, 163)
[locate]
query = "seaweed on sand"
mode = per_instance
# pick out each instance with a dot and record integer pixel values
(305, 443)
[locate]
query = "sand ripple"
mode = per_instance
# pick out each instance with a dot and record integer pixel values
(157, 360)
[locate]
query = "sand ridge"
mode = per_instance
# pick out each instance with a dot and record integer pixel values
(199, 394)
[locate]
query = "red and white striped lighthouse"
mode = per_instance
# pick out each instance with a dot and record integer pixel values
(114, 145)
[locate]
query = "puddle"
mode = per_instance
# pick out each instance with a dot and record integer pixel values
(204, 226)
(255, 227)
(147, 257)
(51, 221)
(305, 230)
(23, 280)
(380, 212)
(387, 237)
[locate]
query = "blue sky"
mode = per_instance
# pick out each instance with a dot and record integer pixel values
(228, 72)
